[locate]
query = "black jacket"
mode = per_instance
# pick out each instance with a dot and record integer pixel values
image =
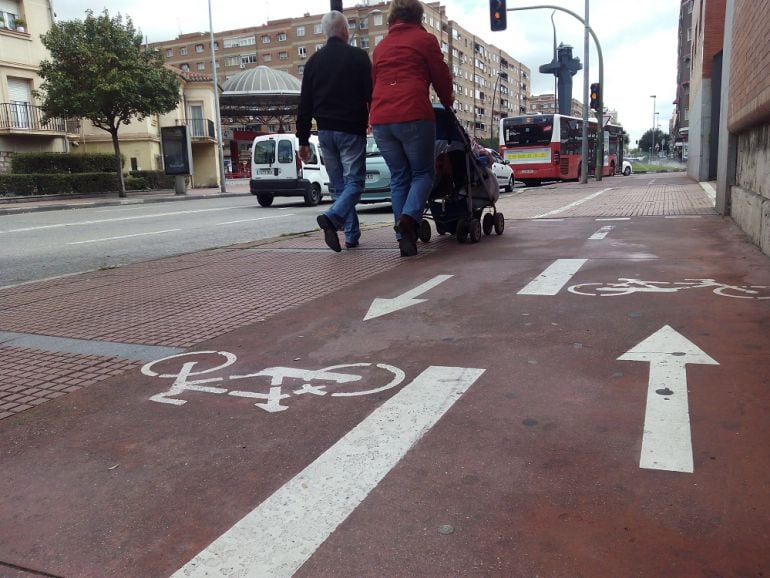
(336, 90)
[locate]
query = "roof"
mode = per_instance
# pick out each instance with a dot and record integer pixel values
(262, 81)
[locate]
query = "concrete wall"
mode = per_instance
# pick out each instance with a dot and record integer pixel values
(748, 120)
(700, 133)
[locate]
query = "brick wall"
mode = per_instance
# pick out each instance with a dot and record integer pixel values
(750, 66)
(713, 33)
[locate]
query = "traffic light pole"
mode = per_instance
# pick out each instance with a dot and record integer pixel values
(599, 148)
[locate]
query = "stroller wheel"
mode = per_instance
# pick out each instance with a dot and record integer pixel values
(462, 230)
(475, 230)
(424, 233)
(488, 223)
(499, 223)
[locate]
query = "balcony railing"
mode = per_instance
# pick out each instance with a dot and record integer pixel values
(22, 116)
(200, 128)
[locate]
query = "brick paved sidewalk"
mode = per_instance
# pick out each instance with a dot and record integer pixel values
(180, 301)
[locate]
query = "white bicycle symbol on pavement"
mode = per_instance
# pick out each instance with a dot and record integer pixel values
(626, 286)
(270, 401)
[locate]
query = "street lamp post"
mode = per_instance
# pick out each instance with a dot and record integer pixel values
(600, 116)
(218, 127)
(652, 146)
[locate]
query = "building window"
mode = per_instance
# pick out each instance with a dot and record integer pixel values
(364, 24)
(300, 31)
(232, 60)
(185, 67)
(378, 39)
(318, 47)
(201, 66)
(300, 69)
(283, 55)
(249, 58)
(199, 48)
(183, 51)
(169, 52)
(378, 19)
(265, 39)
(216, 45)
(267, 57)
(317, 29)
(281, 37)
(302, 52)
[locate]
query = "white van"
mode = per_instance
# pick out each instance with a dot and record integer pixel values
(277, 171)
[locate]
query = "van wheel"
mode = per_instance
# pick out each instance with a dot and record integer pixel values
(265, 200)
(313, 196)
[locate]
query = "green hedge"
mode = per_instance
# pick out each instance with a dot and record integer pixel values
(155, 179)
(64, 184)
(62, 163)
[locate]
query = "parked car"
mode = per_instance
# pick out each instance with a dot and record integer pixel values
(377, 185)
(277, 171)
(502, 171)
(626, 168)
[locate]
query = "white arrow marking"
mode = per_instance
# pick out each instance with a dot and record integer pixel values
(277, 537)
(666, 444)
(381, 307)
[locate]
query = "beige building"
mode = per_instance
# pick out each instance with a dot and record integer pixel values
(546, 104)
(140, 140)
(489, 83)
(21, 126)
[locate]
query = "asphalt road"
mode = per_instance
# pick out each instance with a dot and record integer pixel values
(41, 245)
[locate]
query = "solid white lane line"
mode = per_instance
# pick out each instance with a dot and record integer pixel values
(277, 537)
(613, 219)
(548, 220)
(255, 219)
(116, 220)
(556, 276)
(571, 205)
(123, 237)
(601, 233)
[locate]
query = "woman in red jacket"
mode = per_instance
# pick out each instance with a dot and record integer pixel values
(404, 65)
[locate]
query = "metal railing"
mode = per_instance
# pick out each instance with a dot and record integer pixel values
(21, 116)
(199, 127)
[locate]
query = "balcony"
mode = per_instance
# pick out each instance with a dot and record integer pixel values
(22, 117)
(200, 129)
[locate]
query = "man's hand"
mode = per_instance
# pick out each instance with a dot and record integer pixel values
(304, 153)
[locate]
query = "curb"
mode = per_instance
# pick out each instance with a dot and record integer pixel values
(63, 205)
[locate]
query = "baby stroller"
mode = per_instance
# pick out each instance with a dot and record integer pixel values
(462, 201)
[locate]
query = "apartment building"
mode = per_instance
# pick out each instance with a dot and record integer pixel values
(489, 83)
(22, 129)
(546, 104)
(680, 122)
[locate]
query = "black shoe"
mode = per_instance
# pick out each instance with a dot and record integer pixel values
(408, 247)
(407, 226)
(349, 245)
(330, 233)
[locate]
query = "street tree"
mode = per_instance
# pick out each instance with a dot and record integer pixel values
(100, 70)
(661, 141)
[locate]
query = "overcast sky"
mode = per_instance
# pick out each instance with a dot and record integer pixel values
(638, 39)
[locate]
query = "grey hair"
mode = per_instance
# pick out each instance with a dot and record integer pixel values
(334, 24)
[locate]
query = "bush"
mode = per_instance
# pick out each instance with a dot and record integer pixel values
(63, 184)
(94, 182)
(135, 183)
(62, 163)
(155, 179)
(17, 185)
(54, 184)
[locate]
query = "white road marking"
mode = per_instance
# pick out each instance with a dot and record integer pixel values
(601, 233)
(613, 219)
(571, 205)
(556, 276)
(123, 237)
(652, 181)
(683, 216)
(548, 220)
(710, 191)
(381, 307)
(666, 443)
(277, 537)
(116, 220)
(255, 219)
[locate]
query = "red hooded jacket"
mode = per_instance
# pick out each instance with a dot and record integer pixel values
(404, 65)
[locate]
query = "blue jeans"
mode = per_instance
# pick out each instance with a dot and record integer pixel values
(345, 158)
(407, 148)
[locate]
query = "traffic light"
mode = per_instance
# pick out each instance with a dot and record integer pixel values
(498, 17)
(595, 95)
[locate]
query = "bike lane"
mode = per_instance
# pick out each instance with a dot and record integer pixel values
(526, 428)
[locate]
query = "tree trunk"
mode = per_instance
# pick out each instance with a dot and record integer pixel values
(116, 146)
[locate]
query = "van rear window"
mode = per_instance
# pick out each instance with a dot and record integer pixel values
(264, 152)
(285, 151)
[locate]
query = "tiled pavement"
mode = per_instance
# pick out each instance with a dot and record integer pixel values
(184, 300)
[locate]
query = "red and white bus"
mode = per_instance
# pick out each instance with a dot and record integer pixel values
(548, 147)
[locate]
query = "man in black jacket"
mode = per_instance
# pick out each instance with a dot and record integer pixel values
(336, 91)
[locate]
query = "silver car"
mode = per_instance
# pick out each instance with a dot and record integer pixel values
(377, 185)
